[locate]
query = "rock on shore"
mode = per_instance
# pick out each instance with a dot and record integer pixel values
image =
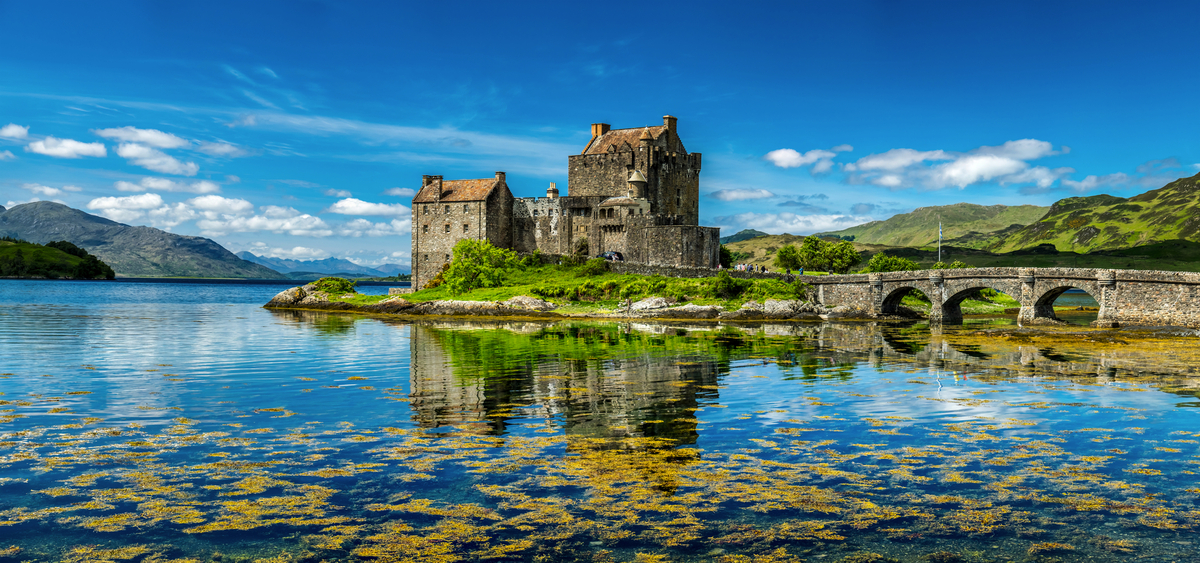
(307, 297)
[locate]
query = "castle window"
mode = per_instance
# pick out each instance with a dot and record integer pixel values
(466, 207)
(426, 256)
(426, 207)
(447, 227)
(447, 257)
(465, 227)
(447, 209)
(427, 227)
(535, 212)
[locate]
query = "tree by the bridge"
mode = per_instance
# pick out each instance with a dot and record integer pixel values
(818, 255)
(883, 262)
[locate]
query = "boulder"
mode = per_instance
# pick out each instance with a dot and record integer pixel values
(394, 305)
(287, 297)
(651, 303)
(527, 303)
(689, 311)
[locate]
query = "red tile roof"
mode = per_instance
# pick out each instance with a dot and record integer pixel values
(458, 190)
(617, 137)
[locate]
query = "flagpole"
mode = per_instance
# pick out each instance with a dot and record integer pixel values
(939, 240)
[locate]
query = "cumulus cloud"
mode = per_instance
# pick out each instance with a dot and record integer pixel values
(156, 160)
(351, 206)
(300, 225)
(777, 223)
(337, 193)
(939, 169)
(212, 206)
(1148, 175)
(222, 148)
(822, 160)
(740, 194)
(363, 227)
(14, 131)
(400, 192)
(66, 148)
(7, 155)
(42, 190)
(148, 137)
(125, 208)
(168, 216)
(166, 185)
(294, 253)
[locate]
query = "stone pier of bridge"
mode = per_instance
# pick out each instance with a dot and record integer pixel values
(1126, 297)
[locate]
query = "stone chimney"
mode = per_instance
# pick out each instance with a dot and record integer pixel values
(552, 191)
(599, 129)
(669, 122)
(500, 177)
(436, 182)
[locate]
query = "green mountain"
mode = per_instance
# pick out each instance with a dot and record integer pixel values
(131, 251)
(968, 223)
(744, 234)
(1104, 222)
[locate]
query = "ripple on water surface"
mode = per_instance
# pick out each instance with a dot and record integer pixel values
(139, 426)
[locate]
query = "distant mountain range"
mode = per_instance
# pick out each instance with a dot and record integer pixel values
(969, 224)
(131, 251)
(326, 266)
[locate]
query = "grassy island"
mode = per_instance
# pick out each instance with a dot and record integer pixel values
(54, 260)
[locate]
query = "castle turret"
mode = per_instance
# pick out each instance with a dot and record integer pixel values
(552, 191)
(637, 184)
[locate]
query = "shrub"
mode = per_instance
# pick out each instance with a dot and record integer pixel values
(884, 263)
(595, 267)
(725, 257)
(335, 286)
(727, 286)
(439, 279)
(955, 265)
(478, 264)
(818, 255)
(635, 290)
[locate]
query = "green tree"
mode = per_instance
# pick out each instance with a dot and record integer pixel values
(726, 257)
(884, 263)
(478, 264)
(822, 256)
(843, 257)
(788, 258)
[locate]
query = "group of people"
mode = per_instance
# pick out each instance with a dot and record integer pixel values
(750, 268)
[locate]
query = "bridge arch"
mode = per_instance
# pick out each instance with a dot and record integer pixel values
(951, 307)
(1043, 307)
(891, 301)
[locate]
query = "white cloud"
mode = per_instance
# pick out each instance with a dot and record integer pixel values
(337, 193)
(820, 159)
(777, 223)
(938, 169)
(298, 225)
(14, 131)
(168, 215)
(351, 206)
(740, 194)
(7, 155)
(156, 160)
(42, 190)
(222, 148)
(232, 179)
(125, 208)
(294, 253)
(363, 227)
(66, 148)
(1092, 182)
(409, 192)
(167, 185)
(148, 137)
(213, 205)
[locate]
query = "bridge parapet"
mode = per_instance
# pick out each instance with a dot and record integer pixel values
(1125, 296)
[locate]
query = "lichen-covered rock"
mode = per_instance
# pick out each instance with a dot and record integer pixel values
(651, 303)
(689, 311)
(525, 302)
(743, 314)
(287, 297)
(313, 299)
(394, 305)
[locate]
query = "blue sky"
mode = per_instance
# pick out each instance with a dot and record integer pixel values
(300, 129)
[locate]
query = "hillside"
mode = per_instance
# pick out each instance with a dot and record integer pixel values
(965, 221)
(1104, 222)
(131, 251)
(744, 234)
(326, 266)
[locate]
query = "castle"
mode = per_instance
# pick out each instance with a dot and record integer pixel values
(634, 191)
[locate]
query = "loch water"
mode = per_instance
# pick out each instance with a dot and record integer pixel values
(182, 422)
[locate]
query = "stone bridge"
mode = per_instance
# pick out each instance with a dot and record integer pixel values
(1136, 297)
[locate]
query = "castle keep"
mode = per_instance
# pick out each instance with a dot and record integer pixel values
(634, 191)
